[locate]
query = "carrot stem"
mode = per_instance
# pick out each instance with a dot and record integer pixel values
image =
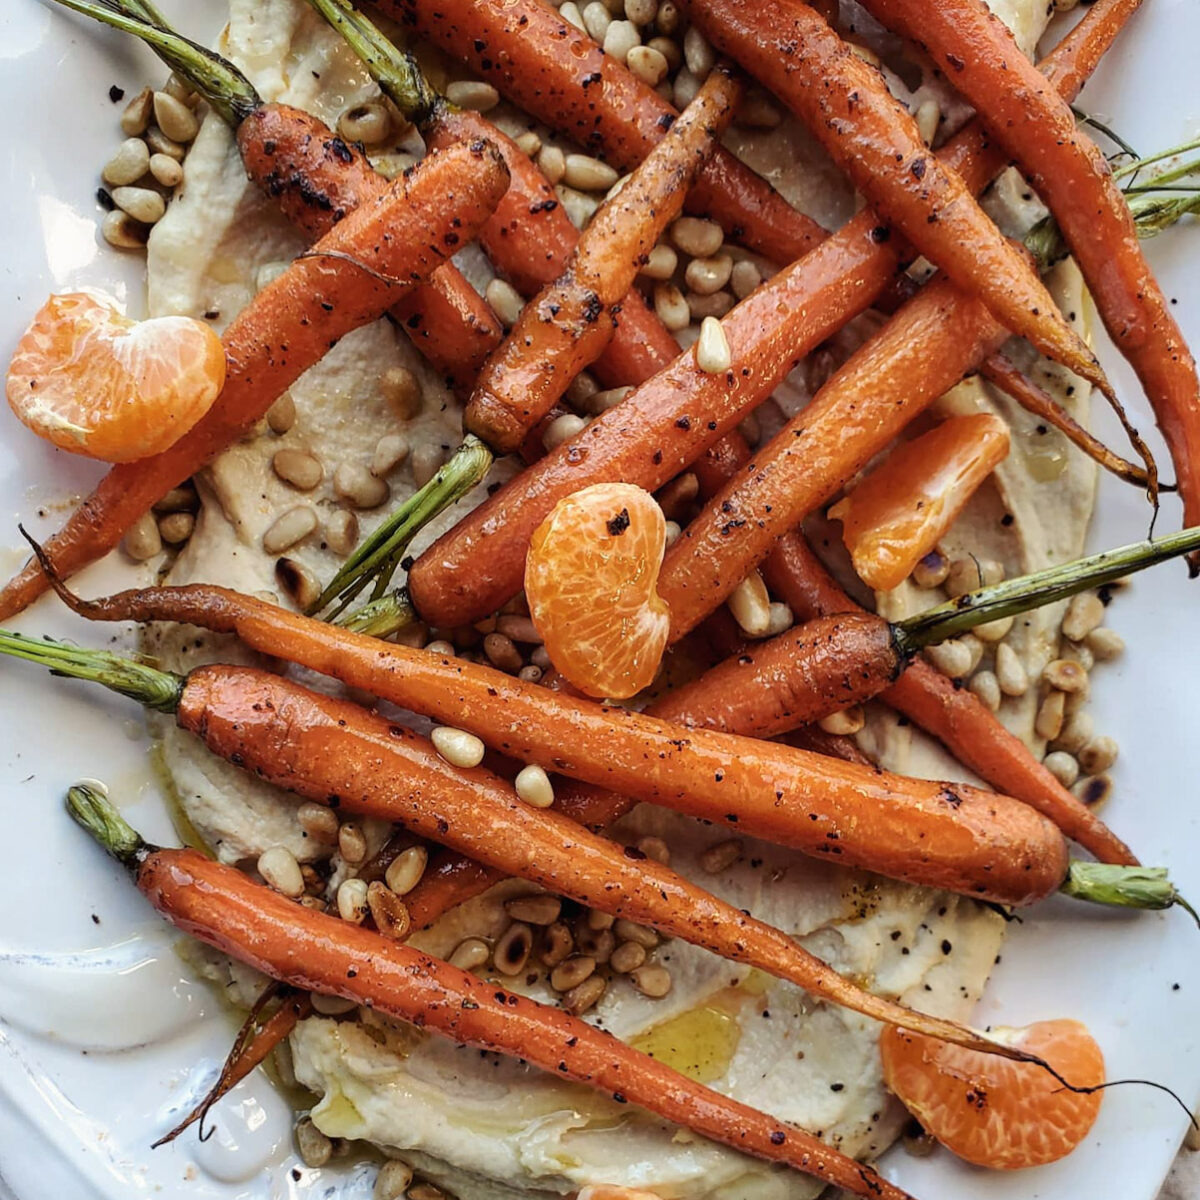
(1124, 887)
(90, 808)
(225, 88)
(1015, 596)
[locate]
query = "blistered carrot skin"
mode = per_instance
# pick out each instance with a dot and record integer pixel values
(1035, 125)
(557, 74)
(665, 425)
(790, 48)
(943, 835)
(220, 906)
(566, 326)
(895, 516)
(353, 275)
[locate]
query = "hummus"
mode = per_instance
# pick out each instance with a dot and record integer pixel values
(491, 1129)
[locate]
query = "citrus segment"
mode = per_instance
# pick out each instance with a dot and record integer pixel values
(590, 579)
(992, 1111)
(97, 383)
(612, 1191)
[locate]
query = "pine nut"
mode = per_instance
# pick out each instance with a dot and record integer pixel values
(529, 143)
(557, 944)
(298, 468)
(178, 499)
(655, 848)
(281, 416)
(1105, 644)
(175, 528)
(697, 53)
(931, 571)
(358, 487)
(579, 999)
(470, 954)
(280, 870)
(142, 204)
(986, 688)
(628, 956)
(551, 161)
(538, 909)
(473, 94)
(298, 582)
(457, 746)
(1084, 613)
(1079, 652)
(974, 650)
(1098, 755)
(597, 921)
(352, 901)
(641, 12)
(368, 124)
(512, 950)
(136, 116)
(352, 842)
(390, 451)
(1049, 720)
(530, 674)
(588, 174)
(505, 301)
(426, 1191)
(159, 143)
(621, 37)
(562, 429)
(392, 166)
(721, 857)
(341, 531)
(392, 1181)
(427, 460)
(402, 390)
(292, 527)
(669, 17)
(441, 647)
(541, 658)
(317, 821)
(1093, 792)
(1065, 676)
(631, 931)
(963, 577)
(580, 207)
(534, 787)
(671, 532)
(671, 307)
(952, 658)
(928, 117)
(121, 231)
(660, 262)
(166, 170)
(781, 619)
(174, 118)
(684, 89)
(994, 631)
(1062, 766)
(571, 973)
(596, 20)
(845, 723)
(596, 943)
(648, 64)
(581, 389)
(751, 605)
(502, 653)
(652, 980)
(713, 355)
(670, 51)
(405, 870)
(1076, 732)
(744, 278)
(570, 12)
(129, 164)
(313, 1146)
(1010, 671)
(142, 540)
(332, 1006)
(388, 911)
(520, 629)
(697, 237)
(716, 305)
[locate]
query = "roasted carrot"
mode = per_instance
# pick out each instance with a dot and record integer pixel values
(557, 74)
(352, 276)
(222, 907)
(328, 750)
(897, 514)
(1037, 127)
(667, 423)
(318, 178)
(564, 328)
(788, 46)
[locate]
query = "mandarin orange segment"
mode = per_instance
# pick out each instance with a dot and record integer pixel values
(590, 579)
(613, 1191)
(900, 511)
(992, 1111)
(97, 383)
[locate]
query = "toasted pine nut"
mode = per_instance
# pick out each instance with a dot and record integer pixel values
(427, 460)
(713, 355)
(505, 300)
(952, 658)
(280, 870)
(470, 954)
(313, 1146)
(1098, 755)
(551, 161)
(121, 231)
(652, 980)
(358, 487)
(641, 12)
(174, 118)
(660, 262)
(159, 143)
(388, 911)
(845, 723)
(352, 901)
(405, 870)
(597, 920)
(671, 307)
(1105, 644)
(166, 170)
(721, 857)
(648, 64)
(716, 305)
(318, 821)
(138, 111)
(1010, 671)
(341, 531)
(534, 787)
(402, 390)
(1066, 676)
(142, 204)
(1084, 613)
(291, 527)
(175, 528)
(751, 605)
(631, 931)
(1062, 766)
(628, 956)
(297, 581)
(562, 429)
(538, 909)
(369, 124)
(529, 143)
(697, 237)
(744, 278)
(352, 842)
(596, 20)
(392, 1181)
(655, 848)
(299, 468)
(579, 999)
(782, 618)
(473, 94)
(332, 1006)
(572, 972)
(621, 37)
(697, 53)
(457, 746)
(390, 451)
(128, 164)
(985, 686)
(281, 416)
(512, 950)
(142, 540)
(1049, 720)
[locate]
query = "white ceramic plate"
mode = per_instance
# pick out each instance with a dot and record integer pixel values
(103, 1035)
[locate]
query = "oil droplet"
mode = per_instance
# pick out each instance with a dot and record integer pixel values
(699, 1043)
(1046, 463)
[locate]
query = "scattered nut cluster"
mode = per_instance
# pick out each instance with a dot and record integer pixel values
(992, 670)
(141, 177)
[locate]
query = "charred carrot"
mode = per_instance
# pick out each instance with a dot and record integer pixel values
(788, 46)
(317, 178)
(563, 329)
(1037, 127)
(352, 276)
(897, 514)
(668, 422)
(558, 74)
(222, 907)
(320, 747)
